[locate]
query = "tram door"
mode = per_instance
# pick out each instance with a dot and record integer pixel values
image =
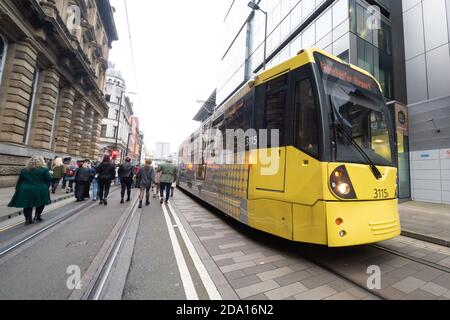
(269, 172)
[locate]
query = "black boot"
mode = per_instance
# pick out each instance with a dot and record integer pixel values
(122, 201)
(147, 203)
(140, 204)
(105, 202)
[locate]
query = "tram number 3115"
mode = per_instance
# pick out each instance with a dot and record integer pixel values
(381, 194)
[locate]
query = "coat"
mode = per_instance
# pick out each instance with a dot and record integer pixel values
(58, 172)
(32, 189)
(126, 171)
(106, 171)
(145, 177)
(168, 173)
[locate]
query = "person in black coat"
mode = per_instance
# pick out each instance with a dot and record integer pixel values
(106, 173)
(82, 179)
(126, 174)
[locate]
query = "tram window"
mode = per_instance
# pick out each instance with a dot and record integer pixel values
(307, 126)
(275, 103)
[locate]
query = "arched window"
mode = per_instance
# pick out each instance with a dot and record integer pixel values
(3, 48)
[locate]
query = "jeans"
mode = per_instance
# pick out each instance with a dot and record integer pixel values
(95, 189)
(125, 184)
(165, 187)
(103, 186)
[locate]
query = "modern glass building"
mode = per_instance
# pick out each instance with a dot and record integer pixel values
(360, 32)
(427, 53)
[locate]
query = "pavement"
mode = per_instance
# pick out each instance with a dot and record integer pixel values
(429, 222)
(6, 195)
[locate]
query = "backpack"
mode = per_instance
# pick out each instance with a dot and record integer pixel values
(71, 172)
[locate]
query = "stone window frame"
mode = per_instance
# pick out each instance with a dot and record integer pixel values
(3, 56)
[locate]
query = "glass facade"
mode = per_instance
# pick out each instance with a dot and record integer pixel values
(339, 27)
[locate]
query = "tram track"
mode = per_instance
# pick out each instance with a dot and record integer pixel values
(411, 258)
(101, 268)
(53, 224)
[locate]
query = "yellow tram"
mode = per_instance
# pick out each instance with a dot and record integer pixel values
(335, 177)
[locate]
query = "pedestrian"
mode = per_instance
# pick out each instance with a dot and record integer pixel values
(94, 181)
(126, 175)
(168, 176)
(172, 189)
(32, 190)
(87, 188)
(57, 172)
(71, 172)
(144, 180)
(157, 183)
(106, 172)
(116, 176)
(81, 181)
(136, 169)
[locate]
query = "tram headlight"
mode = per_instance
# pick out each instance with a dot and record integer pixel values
(341, 185)
(344, 189)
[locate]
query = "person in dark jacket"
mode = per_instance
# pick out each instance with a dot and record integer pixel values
(32, 190)
(106, 173)
(144, 181)
(82, 179)
(126, 179)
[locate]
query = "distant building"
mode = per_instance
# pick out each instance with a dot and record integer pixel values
(53, 59)
(162, 152)
(116, 129)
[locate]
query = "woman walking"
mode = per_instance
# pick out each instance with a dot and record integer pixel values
(32, 190)
(94, 181)
(71, 171)
(82, 180)
(57, 173)
(144, 180)
(106, 172)
(157, 184)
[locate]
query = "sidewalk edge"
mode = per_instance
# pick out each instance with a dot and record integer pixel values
(426, 238)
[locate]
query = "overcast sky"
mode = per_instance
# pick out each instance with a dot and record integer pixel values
(176, 55)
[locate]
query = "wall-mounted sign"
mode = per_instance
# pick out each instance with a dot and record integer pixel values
(401, 116)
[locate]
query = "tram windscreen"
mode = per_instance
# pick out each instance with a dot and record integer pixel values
(358, 107)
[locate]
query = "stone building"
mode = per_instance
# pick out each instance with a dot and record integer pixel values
(53, 59)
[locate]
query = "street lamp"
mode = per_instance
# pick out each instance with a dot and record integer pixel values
(256, 7)
(120, 112)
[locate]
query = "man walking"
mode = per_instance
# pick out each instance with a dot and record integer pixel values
(168, 176)
(126, 178)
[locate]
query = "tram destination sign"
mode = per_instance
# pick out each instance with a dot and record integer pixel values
(335, 69)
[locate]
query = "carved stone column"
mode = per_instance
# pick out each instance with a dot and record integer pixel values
(64, 119)
(45, 109)
(95, 139)
(17, 87)
(76, 134)
(86, 140)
